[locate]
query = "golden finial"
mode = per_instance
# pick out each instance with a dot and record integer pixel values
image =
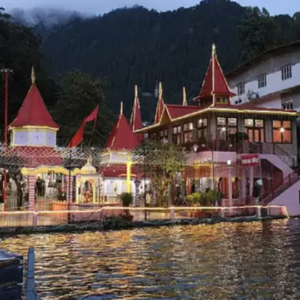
(90, 159)
(32, 75)
(213, 50)
(121, 108)
(136, 91)
(160, 90)
(184, 101)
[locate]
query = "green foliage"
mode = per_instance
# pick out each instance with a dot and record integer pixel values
(78, 95)
(160, 163)
(126, 199)
(190, 199)
(19, 51)
(196, 198)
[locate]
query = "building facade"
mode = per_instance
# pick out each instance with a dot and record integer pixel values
(269, 80)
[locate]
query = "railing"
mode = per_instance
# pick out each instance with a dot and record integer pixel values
(271, 148)
(214, 145)
(288, 181)
(61, 218)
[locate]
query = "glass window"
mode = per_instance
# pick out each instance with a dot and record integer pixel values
(202, 123)
(249, 123)
(255, 130)
(282, 132)
(221, 121)
(288, 105)
(232, 122)
(241, 88)
(286, 72)
(262, 81)
(259, 123)
(176, 135)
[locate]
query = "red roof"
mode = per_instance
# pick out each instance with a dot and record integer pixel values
(32, 157)
(122, 136)
(177, 111)
(214, 82)
(33, 111)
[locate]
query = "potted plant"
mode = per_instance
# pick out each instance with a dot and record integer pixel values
(127, 200)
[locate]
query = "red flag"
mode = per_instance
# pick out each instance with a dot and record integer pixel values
(92, 116)
(78, 137)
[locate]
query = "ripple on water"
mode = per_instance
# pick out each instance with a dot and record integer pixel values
(225, 261)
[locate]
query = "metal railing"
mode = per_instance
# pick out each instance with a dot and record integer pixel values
(60, 218)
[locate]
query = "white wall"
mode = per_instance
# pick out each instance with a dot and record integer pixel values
(274, 84)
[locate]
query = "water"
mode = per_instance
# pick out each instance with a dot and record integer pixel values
(220, 262)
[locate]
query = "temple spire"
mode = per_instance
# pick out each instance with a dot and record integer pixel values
(160, 104)
(184, 100)
(136, 118)
(121, 108)
(213, 52)
(32, 75)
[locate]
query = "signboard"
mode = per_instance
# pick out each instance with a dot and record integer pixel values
(251, 160)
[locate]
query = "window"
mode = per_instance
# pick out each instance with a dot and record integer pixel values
(153, 136)
(255, 130)
(282, 132)
(202, 129)
(288, 105)
(222, 100)
(226, 127)
(262, 81)
(286, 72)
(241, 88)
(188, 132)
(164, 136)
(176, 136)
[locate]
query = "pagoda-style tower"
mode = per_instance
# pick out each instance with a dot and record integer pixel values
(116, 161)
(33, 125)
(215, 89)
(160, 104)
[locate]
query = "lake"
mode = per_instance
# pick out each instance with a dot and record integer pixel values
(218, 262)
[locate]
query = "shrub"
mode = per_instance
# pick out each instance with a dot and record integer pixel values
(126, 199)
(190, 199)
(196, 198)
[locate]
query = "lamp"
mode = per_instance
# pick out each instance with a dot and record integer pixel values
(223, 129)
(195, 148)
(229, 162)
(281, 129)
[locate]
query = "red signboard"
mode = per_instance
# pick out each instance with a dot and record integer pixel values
(251, 160)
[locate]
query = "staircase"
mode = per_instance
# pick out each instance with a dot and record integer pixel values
(288, 181)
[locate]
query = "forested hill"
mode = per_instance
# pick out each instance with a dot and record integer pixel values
(140, 46)
(113, 52)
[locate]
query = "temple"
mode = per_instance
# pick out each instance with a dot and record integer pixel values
(231, 148)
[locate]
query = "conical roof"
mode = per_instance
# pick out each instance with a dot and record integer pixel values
(33, 111)
(121, 137)
(214, 82)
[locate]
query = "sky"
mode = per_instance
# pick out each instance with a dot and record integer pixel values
(103, 6)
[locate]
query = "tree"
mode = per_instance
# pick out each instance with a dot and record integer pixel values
(160, 163)
(257, 32)
(78, 95)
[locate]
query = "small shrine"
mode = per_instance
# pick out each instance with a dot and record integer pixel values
(87, 179)
(117, 168)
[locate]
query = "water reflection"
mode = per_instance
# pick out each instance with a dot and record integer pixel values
(225, 261)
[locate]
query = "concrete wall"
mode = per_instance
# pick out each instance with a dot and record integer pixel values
(290, 199)
(270, 66)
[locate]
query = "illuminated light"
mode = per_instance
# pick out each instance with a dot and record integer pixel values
(229, 162)
(281, 129)
(223, 129)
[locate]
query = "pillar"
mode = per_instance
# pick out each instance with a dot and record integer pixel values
(94, 192)
(243, 184)
(137, 193)
(31, 193)
(128, 176)
(251, 182)
(69, 188)
(77, 189)
(229, 185)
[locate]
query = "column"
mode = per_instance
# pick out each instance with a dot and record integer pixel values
(69, 188)
(243, 183)
(94, 192)
(31, 193)
(251, 182)
(77, 187)
(137, 193)
(230, 202)
(128, 176)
